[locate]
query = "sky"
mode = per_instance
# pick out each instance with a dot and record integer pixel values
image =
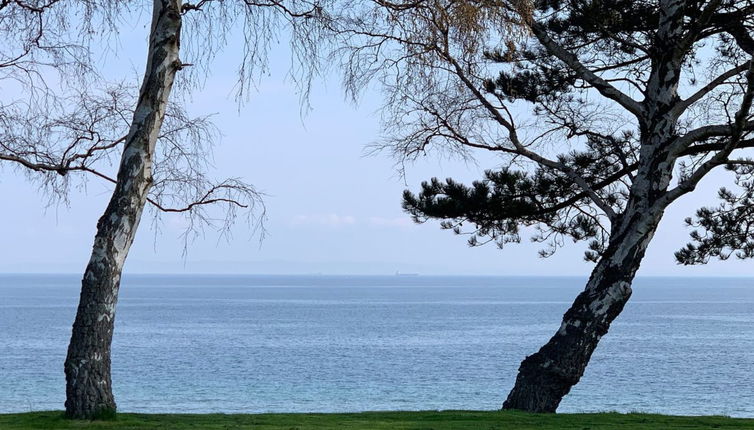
(331, 208)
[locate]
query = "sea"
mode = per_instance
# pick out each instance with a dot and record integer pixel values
(246, 344)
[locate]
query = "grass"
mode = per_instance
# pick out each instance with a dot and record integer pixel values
(429, 420)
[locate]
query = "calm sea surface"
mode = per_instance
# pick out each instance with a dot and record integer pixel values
(322, 343)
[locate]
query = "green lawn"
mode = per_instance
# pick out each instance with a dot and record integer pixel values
(461, 420)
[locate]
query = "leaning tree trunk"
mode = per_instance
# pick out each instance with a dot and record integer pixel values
(87, 366)
(545, 377)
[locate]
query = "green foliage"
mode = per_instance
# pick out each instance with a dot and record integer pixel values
(506, 200)
(429, 420)
(726, 230)
(607, 29)
(570, 172)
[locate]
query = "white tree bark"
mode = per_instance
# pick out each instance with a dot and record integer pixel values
(87, 366)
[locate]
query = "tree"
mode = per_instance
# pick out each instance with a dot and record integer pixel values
(604, 113)
(87, 366)
(74, 130)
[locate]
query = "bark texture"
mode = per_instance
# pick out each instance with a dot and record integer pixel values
(87, 366)
(545, 377)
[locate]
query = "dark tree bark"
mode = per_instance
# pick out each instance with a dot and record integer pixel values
(87, 366)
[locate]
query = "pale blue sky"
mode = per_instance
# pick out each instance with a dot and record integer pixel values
(330, 208)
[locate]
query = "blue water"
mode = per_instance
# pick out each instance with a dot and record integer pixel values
(321, 343)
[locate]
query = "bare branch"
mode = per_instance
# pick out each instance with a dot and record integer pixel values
(736, 133)
(712, 85)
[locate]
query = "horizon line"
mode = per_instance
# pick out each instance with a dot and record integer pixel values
(395, 275)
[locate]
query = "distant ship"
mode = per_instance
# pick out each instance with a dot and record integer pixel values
(406, 274)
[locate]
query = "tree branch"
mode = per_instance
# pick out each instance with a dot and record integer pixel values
(584, 73)
(738, 128)
(681, 106)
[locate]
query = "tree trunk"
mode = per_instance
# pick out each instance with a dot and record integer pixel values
(545, 377)
(87, 366)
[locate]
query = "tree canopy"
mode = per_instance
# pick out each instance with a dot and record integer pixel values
(603, 113)
(571, 161)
